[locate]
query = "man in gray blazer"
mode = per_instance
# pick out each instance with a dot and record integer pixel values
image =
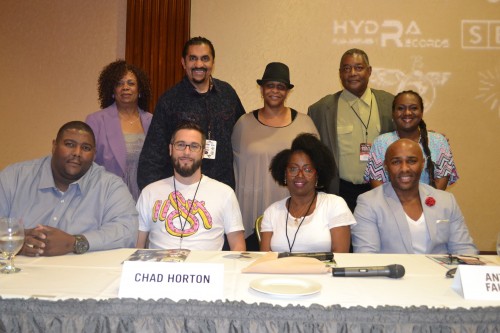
(349, 120)
(406, 216)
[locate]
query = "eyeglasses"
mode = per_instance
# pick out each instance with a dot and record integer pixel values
(348, 68)
(278, 86)
(181, 145)
(307, 171)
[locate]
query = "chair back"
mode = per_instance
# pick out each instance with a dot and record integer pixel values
(258, 221)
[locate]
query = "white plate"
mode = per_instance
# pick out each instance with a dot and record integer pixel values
(284, 286)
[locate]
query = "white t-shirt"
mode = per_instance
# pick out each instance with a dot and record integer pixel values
(314, 234)
(420, 238)
(214, 212)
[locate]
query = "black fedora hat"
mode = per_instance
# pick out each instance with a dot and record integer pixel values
(276, 71)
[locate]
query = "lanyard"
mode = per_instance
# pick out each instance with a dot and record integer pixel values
(361, 120)
(183, 225)
(286, 222)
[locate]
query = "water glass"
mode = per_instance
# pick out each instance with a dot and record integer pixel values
(11, 241)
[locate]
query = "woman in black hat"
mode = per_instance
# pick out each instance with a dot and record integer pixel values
(257, 137)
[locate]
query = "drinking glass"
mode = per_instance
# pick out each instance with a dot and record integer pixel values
(11, 241)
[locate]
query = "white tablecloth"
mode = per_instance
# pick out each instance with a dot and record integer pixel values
(96, 275)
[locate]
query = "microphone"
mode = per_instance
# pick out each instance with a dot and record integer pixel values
(392, 271)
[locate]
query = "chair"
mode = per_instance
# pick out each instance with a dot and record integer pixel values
(258, 221)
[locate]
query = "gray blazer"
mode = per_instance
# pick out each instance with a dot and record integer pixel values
(324, 115)
(382, 226)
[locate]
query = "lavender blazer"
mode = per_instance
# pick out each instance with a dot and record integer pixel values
(111, 151)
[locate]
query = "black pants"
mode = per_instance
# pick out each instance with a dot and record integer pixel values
(350, 192)
(252, 243)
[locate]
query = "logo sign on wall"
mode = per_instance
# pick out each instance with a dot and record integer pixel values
(417, 79)
(489, 87)
(387, 33)
(480, 34)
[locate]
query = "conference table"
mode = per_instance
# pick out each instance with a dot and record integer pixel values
(80, 293)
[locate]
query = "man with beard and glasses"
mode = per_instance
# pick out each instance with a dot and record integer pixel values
(189, 210)
(199, 98)
(67, 202)
(406, 216)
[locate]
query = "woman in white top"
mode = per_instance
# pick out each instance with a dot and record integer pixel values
(308, 220)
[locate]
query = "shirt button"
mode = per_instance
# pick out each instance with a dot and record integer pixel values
(62, 201)
(54, 218)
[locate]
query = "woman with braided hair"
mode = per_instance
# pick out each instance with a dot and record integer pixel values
(407, 112)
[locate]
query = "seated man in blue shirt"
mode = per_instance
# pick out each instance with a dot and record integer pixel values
(66, 202)
(406, 216)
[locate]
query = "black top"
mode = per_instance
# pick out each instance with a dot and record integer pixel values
(215, 111)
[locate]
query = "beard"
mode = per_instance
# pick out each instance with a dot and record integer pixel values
(202, 80)
(186, 171)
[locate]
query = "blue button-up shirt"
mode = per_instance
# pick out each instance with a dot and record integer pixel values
(98, 205)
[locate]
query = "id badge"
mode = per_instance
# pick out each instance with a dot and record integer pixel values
(210, 149)
(364, 151)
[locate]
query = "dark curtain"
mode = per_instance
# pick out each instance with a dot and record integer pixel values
(156, 33)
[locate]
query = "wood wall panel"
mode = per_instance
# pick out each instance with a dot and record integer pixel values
(156, 33)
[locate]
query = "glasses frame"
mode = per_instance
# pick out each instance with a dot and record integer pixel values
(301, 169)
(181, 146)
(278, 86)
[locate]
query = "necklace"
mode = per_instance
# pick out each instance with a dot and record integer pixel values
(183, 225)
(128, 121)
(296, 221)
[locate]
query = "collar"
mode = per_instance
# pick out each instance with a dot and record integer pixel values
(424, 191)
(47, 178)
(352, 99)
(212, 88)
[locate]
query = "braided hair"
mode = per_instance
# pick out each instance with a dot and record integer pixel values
(430, 165)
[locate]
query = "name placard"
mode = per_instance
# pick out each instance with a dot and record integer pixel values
(478, 282)
(155, 280)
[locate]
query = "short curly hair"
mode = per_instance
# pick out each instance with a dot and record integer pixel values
(112, 74)
(321, 157)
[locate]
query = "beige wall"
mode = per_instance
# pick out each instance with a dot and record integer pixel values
(452, 62)
(52, 51)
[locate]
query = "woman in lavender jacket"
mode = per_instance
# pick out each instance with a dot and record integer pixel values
(121, 126)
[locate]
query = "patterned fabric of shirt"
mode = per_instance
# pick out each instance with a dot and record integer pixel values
(441, 155)
(215, 112)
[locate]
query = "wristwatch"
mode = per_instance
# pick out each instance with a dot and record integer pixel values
(81, 244)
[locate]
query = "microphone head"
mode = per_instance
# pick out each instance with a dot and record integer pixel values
(396, 271)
